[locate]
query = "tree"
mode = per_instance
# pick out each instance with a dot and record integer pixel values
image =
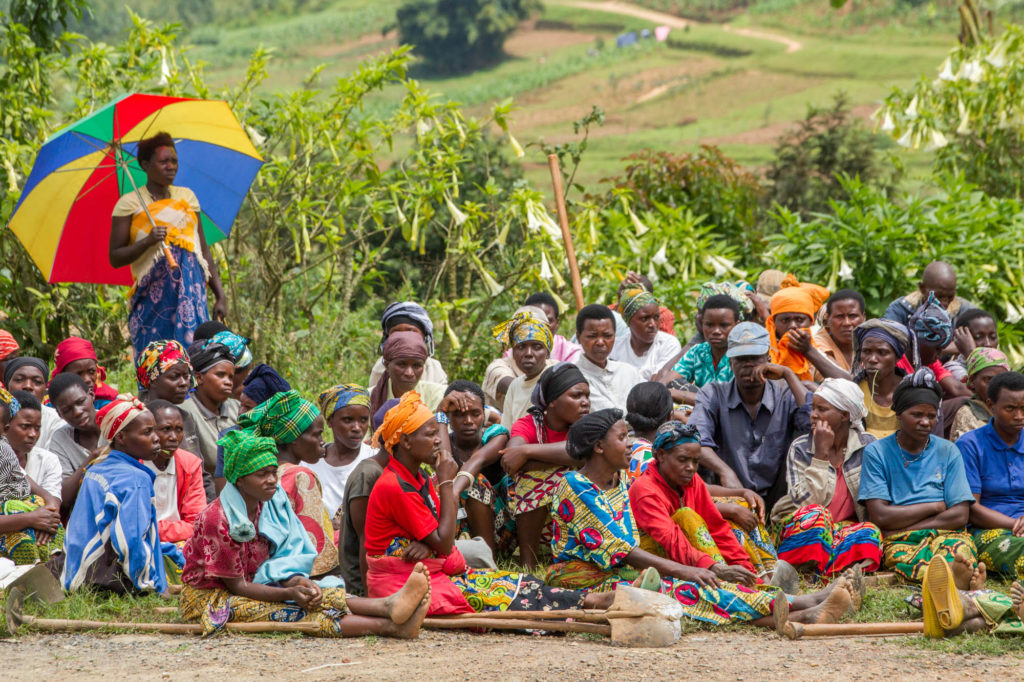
(460, 35)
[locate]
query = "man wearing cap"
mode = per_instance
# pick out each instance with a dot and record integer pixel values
(747, 424)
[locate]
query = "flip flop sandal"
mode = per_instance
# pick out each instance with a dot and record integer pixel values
(939, 591)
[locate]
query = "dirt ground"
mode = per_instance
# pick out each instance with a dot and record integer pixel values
(446, 656)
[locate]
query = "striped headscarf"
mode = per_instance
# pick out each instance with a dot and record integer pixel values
(343, 395)
(7, 344)
(10, 402)
(157, 358)
(673, 433)
(408, 415)
(524, 326)
(238, 345)
(983, 358)
(284, 417)
(117, 414)
(246, 453)
(633, 299)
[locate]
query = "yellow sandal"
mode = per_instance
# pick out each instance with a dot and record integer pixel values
(940, 600)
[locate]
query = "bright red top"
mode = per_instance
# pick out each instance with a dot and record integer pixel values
(654, 501)
(842, 507)
(401, 505)
(188, 478)
(525, 427)
(936, 367)
(211, 554)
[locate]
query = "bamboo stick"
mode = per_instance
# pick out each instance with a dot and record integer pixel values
(799, 630)
(453, 623)
(563, 222)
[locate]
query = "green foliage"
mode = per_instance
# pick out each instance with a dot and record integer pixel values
(877, 242)
(809, 160)
(46, 20)
(454, 36)
(709, 183)
(971, 115)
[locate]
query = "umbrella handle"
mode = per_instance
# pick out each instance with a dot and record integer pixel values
(170, 256)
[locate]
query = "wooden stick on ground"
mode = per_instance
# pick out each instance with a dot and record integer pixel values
(62, 625)
(563, 222)
(793, 630)
(454, 623)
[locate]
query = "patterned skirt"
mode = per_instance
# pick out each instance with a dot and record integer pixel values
(757, 544)
(217, 607)
(21, 546)
(729, 603)
(997, 609)
(168, 304)
(533, 489)
(907, 554)
(1002, 552)
(495, 497)
(810, 536)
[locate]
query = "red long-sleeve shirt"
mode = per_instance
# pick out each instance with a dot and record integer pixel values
(654, 501)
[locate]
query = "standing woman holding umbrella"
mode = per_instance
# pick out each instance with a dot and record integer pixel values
(156, 230)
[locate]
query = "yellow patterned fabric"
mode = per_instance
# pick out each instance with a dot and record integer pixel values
(696, 532)
(1002, 552)
(907, 554)
(757, 544)
(216, 608)
(21, 546)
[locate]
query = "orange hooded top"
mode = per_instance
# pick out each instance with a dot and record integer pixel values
(794, 297)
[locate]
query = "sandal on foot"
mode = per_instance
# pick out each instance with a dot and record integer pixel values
(941, 603)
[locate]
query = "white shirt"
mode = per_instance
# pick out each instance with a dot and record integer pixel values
(332, 478)
(165, 491)
(609, 387)
(50, 421)
(517, 397)
(664, 349)
(43, 467)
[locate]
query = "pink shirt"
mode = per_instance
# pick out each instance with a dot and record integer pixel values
(842, 506)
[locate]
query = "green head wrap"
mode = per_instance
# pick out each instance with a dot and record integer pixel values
(246, 453)
(284, 417)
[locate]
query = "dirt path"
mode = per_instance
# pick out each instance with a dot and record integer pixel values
(733, 655)
(630, 10)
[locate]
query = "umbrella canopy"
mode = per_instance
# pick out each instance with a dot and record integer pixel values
(64, 213)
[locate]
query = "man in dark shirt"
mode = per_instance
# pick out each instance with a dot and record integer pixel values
(747, 424)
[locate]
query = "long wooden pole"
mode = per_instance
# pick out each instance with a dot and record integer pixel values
(563, 222)
(799, 630)
(62, 625)
(449, 623)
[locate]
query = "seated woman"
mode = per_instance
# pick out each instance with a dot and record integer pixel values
(408, 316)
(239, 347)
(994, 462)
(973, 328)
(405, 355)
(210, 406)
(297, 427)
(30, 529)
(967, 414)
(346, 409)
(597, 543)
(950, 611)
(880, 345)
(529, 338)
(480, 486)
(535, 457)
(706, 362)
(164, 372)
(22, 434)
(648, 406)
(933, 332)
(249, 560)
(178, 492)
(77, 356)
(79, 440)
(113, 541)
(823, 527)
(646, 346)
(409, 520)
(915, 488)
(27, 373)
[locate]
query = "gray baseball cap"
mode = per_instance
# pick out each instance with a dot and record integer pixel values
(748, 338)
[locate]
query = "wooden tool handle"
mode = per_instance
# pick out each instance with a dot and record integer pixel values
(452, 623)
(798, 630)
(563, 222)
(59, 625)
(580, 615)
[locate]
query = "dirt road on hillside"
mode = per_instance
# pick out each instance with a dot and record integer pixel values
(732, 655)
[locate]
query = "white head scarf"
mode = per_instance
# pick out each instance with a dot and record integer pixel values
(847, 397)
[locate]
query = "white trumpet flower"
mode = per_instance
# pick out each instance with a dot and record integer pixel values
(640, 228)
(938, 141)
(911, 111)
(946, 72)
(845, 271)
(457, 215)
(887, 123)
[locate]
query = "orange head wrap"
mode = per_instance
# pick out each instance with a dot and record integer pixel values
(794, 297)
(408, 415)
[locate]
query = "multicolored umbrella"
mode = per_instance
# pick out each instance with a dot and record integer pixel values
(63, 215)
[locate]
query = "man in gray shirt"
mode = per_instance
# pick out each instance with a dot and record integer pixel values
(747, 424)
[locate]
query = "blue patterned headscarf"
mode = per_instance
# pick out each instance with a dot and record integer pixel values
(342, 395)
(10, 402)
(931, 324)
(238, 345)
(673, 433)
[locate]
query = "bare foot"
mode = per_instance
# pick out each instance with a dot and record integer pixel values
(856, 577)
(979, 576)
(963, 571)
(838, 602)
(1017, 597)
(402, 604)
(410, 629)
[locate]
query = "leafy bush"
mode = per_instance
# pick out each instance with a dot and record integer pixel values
(454, 36)
(877, 242)
(804, 175)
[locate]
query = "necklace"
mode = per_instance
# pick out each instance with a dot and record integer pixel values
(908, 458)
